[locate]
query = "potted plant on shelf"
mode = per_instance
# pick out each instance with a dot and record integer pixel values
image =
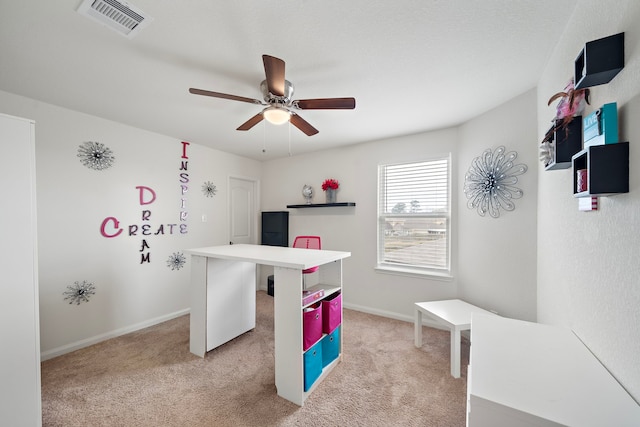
(330, 187)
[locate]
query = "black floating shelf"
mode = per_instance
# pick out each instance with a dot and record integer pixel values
(607, 169)
(599, 61)
(566, 141)
(322, 205)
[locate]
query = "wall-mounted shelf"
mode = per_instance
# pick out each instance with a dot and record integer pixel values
(599, 61)
(321, 205)
(566, 141)
(607, 169)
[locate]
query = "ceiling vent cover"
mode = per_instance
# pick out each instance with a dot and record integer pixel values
(122, 17)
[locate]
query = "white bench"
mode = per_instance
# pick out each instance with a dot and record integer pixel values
(455, 314)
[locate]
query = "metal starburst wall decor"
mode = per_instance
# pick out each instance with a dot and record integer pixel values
(208, 189)
(490, 182)
(95, 155)
(176, 261)
(79, 292)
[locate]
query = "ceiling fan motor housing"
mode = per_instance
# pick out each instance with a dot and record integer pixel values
(273, 99)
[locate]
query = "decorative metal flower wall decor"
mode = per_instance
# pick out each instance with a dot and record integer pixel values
(95, 155)
(176, 261)
(489, 183)
(208, 189)
(79, 292)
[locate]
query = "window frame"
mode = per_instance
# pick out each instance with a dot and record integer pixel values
(408, 269)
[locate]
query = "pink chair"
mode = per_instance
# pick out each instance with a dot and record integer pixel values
(308, 242)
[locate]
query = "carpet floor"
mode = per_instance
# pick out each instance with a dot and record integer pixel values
(149, 378)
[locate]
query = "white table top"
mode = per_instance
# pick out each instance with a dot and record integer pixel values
(454, 312)
(545, 371)
(276, 256)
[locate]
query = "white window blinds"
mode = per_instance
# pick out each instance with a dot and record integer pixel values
(413, 214)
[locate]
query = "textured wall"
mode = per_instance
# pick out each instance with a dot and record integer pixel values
(588, 269)
(498, 255)
(493, 260)
(73, 200)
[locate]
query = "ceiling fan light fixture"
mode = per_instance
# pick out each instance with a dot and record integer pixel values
(276, 115)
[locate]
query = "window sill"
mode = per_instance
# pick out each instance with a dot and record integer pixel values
(413, 272)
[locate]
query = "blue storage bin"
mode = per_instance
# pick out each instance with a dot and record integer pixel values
(330, 347)
(312, 365)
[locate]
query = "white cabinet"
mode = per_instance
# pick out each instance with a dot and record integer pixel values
(528, 374)
(19, 317)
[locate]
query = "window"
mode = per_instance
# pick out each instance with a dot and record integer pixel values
(414, 218)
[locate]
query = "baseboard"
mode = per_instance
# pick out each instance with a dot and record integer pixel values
(392, 315)
(59, 351)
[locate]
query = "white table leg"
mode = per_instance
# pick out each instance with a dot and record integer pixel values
(455, 352)
(417, 334)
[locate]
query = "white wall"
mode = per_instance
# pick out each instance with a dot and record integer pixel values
(498, 256)
(493, 259)
(74, 200)
(588, 264)
(354, 229)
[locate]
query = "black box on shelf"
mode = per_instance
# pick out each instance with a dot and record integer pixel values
(566, 141)
(599, 61)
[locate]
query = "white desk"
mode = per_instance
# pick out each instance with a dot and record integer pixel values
(455, 314)
(223, 287)
(526, 374)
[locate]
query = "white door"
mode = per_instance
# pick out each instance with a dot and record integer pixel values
(243, 217)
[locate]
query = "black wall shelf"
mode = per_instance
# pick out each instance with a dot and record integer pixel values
(321, 205)
(566, 142)
(599, 61)
(607, 169)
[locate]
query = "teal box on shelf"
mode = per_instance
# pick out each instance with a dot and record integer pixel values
(601, 126)
(330, 347)
(312, 365)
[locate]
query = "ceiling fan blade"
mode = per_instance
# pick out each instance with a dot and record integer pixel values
(326, 104)
(302, 124)
(223, 95)
(274, 71)
(251, 122)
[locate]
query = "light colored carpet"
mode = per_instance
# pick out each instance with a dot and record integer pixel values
(149, 378)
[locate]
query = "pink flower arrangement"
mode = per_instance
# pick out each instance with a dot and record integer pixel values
(330, 184)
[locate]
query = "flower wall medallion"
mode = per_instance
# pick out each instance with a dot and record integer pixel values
(208, 189)
(176, 261)
(79, 292)
(95, 155)
(490, 182)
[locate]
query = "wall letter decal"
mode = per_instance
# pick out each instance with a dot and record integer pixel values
(142, 190)
(116, 226)
(144, 245)
(184, 149)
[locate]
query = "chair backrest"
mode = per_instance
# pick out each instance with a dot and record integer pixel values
(307, 242)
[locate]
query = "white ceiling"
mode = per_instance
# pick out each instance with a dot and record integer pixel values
(412, 65)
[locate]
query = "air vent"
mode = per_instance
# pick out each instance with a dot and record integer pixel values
(122, 17)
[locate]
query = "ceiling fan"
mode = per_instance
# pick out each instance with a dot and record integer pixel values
(277, 94)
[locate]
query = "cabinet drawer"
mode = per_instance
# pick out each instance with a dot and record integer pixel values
(331, 312)
(330, 347)
(311, 325)
(312, 365)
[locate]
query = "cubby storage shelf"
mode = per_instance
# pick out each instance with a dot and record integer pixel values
(566, 141)
(321, 205)
(607, 169)
(599, 61)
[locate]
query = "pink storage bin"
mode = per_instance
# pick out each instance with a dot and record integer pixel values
(311, 325)
(331, 312)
